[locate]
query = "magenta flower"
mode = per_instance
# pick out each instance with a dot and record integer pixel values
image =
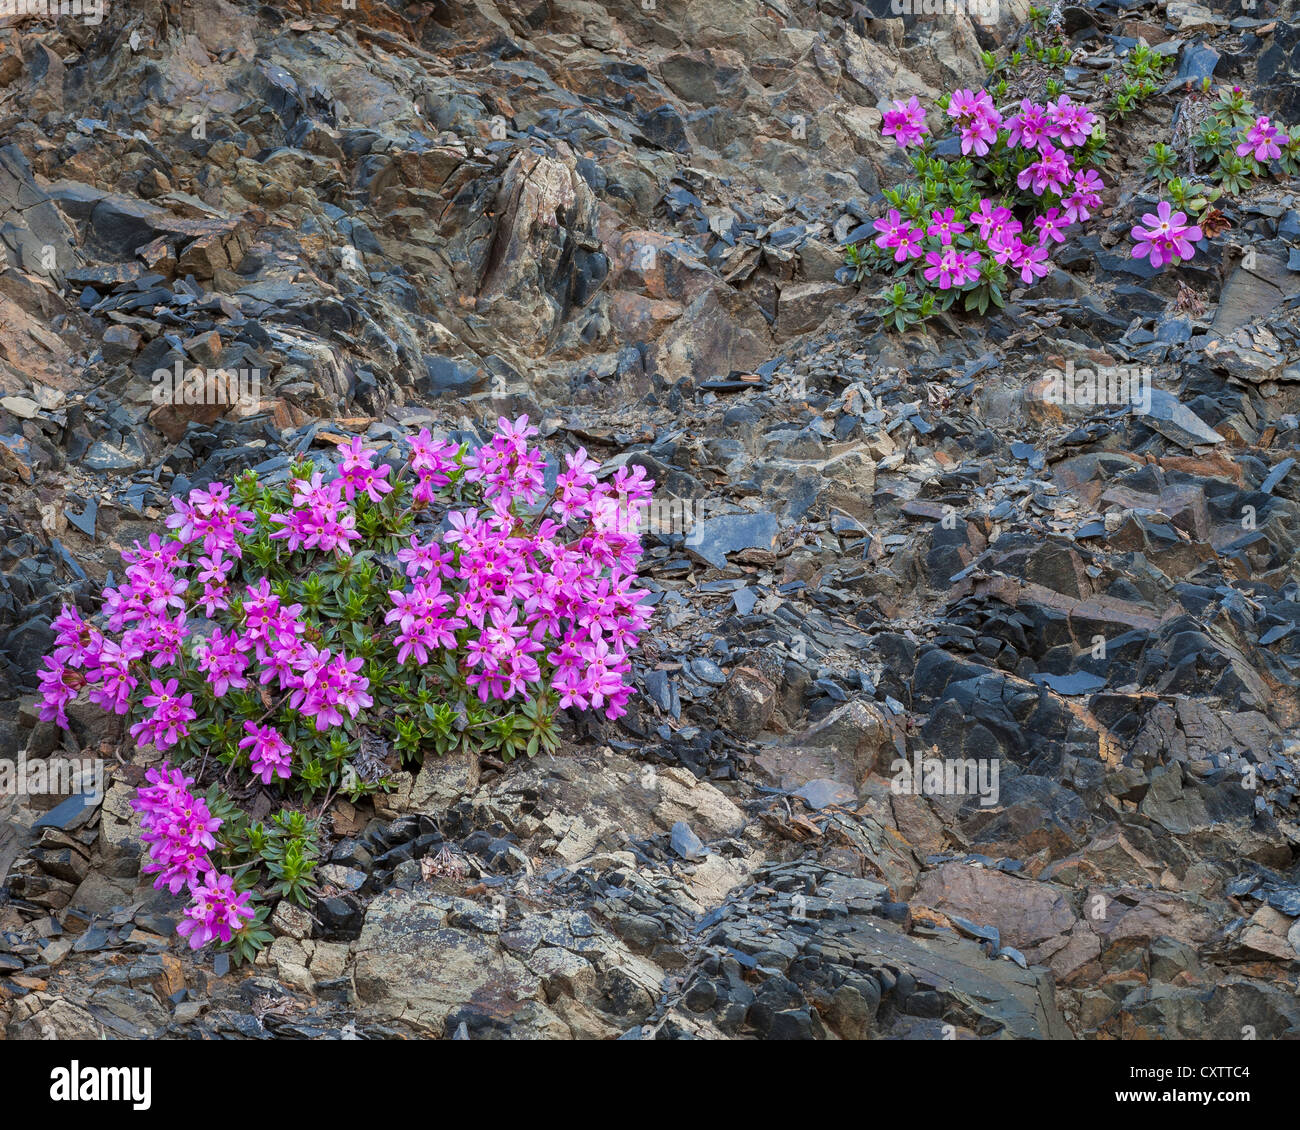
(358, 475)
(425, 559)
(1166, 236)
(1029, 128)
(984, 216)
(172, 713)
(1049, 173)
(1084, 196)
(1260, 141)
(521, 589)
(575, 484)
(945, 225)
(909, 245)
(58, 686)
(905, 123)
(209, 517)
(1032, 262)
(268, 753)
(1049, 227)
(889, 227)
(951, 268)
(1070, 123)
(223, 657)
(177, 826)
(218, 910)
(977, 120)
(113, 677)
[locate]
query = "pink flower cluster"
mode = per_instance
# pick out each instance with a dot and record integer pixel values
(1063, 122)
(319, 518)
(320, 683)
(1167, 237)
(149, 609)
(522, 588)
(218, 910)
(1260, 141)
(432, 462)
(177, 826)
(905, 123)
(358, 475)
(951, 257)
(268, 753)
(948, 266)
(976, 119)
(181, 832)
(172, 714)
(520, 591)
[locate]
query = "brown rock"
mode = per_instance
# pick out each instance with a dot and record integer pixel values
(860, 732)
(1027, 914)
(720, 332)
(803, 306)
(746, 702)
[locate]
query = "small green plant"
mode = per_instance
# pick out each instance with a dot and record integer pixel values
(1141, 68)
(903, 309)
(290, 856)
(1162, 161)
(1190, 195)
(1234, 173)
(1233, 108)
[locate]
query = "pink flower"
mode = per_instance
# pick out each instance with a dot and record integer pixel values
(1259, 142)
(113, 676)
(1085, 195)
(1049, 227)
(889, 227)
(177, 826)
(172, 713)
(209, 516)
(909, 244)
(218, 910)
(357, 474)
(905, 123)
(1166, 237)
(977, 120)
(1070, 123)
(1029, 128)
(945, 225)
(1032, 262)
(268, 753)
(951, 268)
(56, 691)
(223, 657)
(993, 223)
(1049, 173)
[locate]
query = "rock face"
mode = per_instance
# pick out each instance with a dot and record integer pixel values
(966, 709)
(546, 221)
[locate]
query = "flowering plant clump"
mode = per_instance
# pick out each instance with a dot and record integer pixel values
(285, 633)
(970, 224)
(1236, 143)
(1165, 236)
(993, 198)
